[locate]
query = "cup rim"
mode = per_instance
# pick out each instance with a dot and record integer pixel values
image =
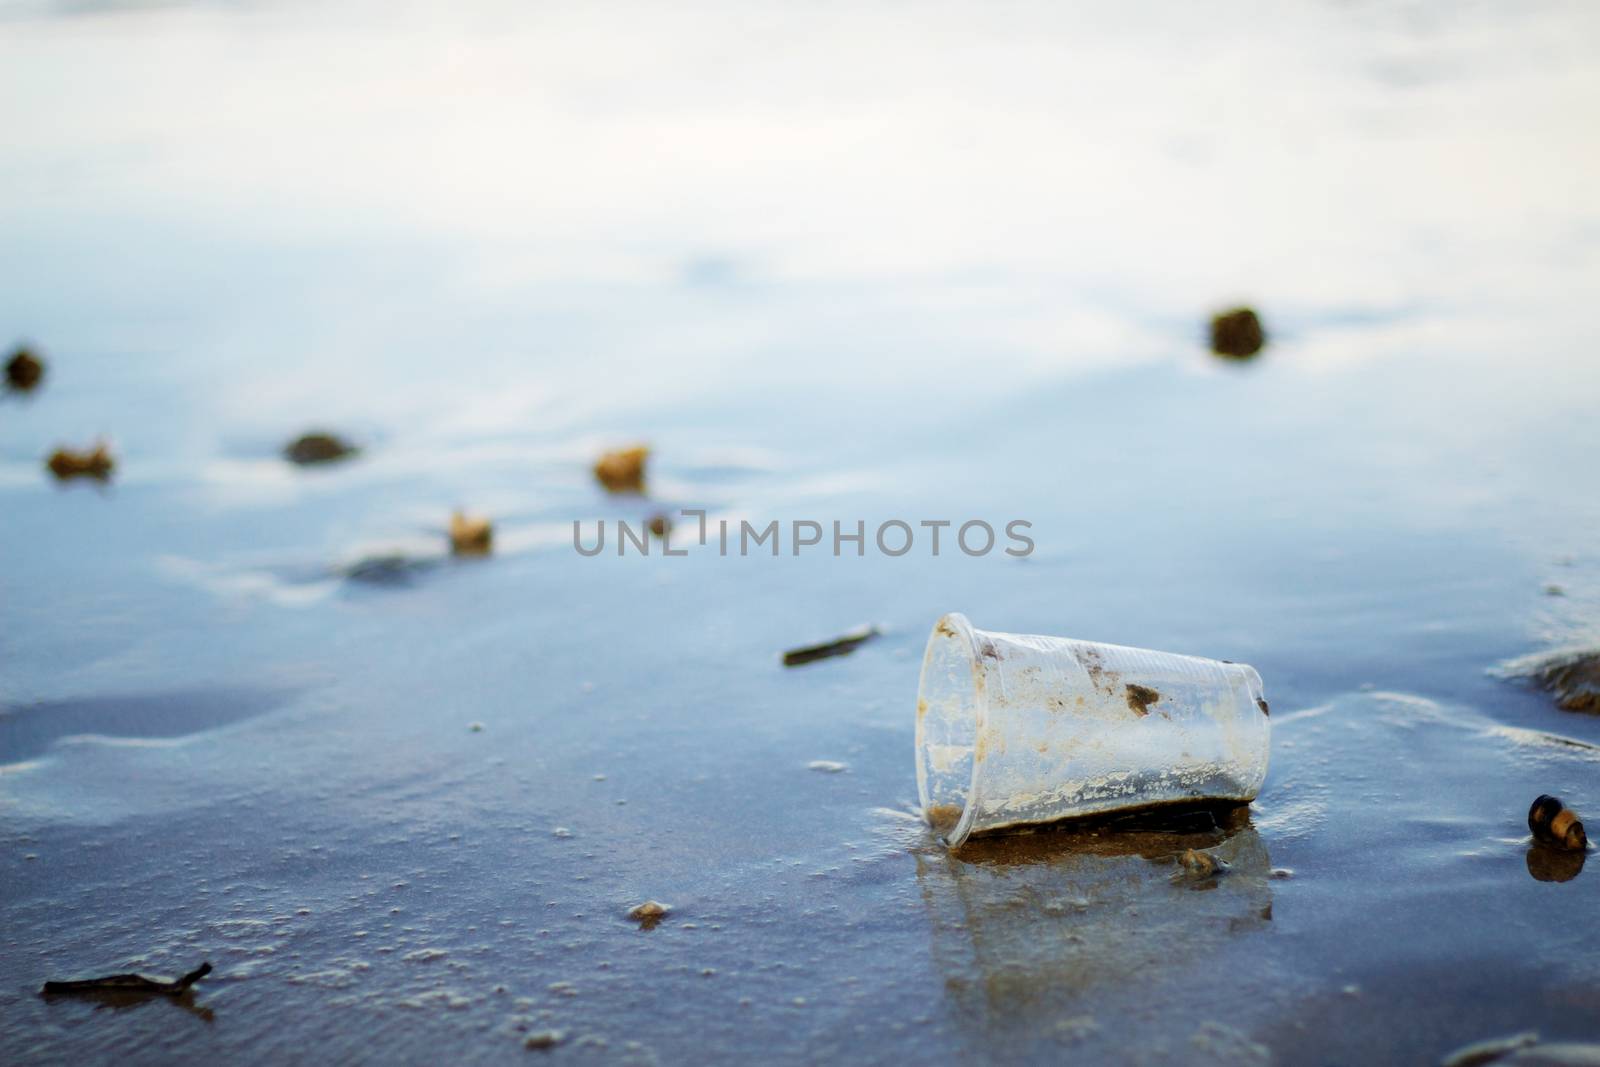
(949, 626)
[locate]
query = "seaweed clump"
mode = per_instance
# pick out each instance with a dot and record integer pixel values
(97, 463)
(622, 470)
(470, 535)
(1237, 334)
(649, 914)
(318, 447)
(24, 369)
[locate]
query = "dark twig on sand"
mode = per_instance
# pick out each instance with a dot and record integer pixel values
(128, 983)
(842, 646)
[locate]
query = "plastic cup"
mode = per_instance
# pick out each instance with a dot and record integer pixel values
(1016, 730)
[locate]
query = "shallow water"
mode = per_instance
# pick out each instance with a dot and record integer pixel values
(847, 265)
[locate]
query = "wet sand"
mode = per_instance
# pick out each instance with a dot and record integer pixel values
(217, 742)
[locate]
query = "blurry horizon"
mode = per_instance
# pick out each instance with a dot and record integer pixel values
(891, 192)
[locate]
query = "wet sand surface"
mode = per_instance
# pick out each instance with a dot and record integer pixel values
(406, 819)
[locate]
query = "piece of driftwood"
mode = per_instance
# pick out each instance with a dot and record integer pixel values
(841, 646)
(129, 983)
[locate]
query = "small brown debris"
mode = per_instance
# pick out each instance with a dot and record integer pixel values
(649, 914)
(544, 1039)
(318, 447)
(128, 983)
(470, 536)
(660, 525)
(97, 463)
(1140, 697)
(1261, 703)
(1236, 334)
(24, 369)
(1554, 823)
(841, 646)
(1200, 865)
(622, 470)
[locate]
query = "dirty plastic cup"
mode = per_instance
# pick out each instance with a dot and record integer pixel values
(1015, 730)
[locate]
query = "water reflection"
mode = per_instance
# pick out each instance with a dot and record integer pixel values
(388, 569)
(1026, 926)
(1547, 864)
(30, 730)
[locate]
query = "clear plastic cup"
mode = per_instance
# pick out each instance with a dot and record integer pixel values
(1015, 730)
